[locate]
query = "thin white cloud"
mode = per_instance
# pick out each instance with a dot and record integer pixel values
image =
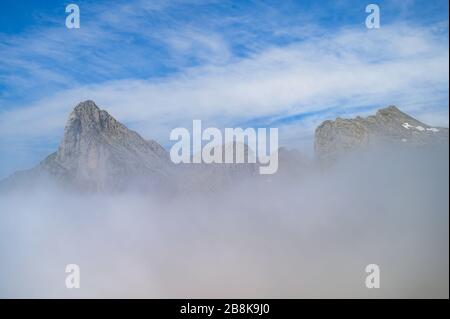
(404, 65)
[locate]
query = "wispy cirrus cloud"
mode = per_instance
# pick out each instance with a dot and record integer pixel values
(349, 69)
(227, 67)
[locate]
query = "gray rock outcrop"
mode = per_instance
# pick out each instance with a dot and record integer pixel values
(389, 126)
(98, 153)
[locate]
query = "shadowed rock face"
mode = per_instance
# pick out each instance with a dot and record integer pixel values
(389, 126)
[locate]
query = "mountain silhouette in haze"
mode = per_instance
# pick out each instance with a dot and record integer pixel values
(98, 153)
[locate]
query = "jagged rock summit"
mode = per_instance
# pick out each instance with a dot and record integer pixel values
(387, 126)
(99, 153)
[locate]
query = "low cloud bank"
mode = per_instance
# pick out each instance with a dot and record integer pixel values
(295, 238)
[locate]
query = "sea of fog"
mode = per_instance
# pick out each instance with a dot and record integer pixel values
(308, 237)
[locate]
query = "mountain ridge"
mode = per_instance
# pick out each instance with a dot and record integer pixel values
(98, 153)
(389, 126)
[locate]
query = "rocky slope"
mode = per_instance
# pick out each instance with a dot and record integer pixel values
(389, 126)
(99, 153)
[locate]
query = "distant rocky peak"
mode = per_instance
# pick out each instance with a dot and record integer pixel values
(393, 114)
(92, 135)
(388, 126)
(86, 106)
(86, 112)
(392, 109)
(87, 117)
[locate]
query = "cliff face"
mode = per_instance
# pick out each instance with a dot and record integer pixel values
(99, 153)
(389, 126)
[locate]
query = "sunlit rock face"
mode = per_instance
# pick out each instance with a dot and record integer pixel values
(97, 153)
(389, 126)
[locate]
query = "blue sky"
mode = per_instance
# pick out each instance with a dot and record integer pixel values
(156, 65)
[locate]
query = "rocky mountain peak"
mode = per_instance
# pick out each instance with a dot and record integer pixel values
(97, 149)
(86, 106)
(390, 109)
(388, 126)
(98, 153)
(87, 118)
